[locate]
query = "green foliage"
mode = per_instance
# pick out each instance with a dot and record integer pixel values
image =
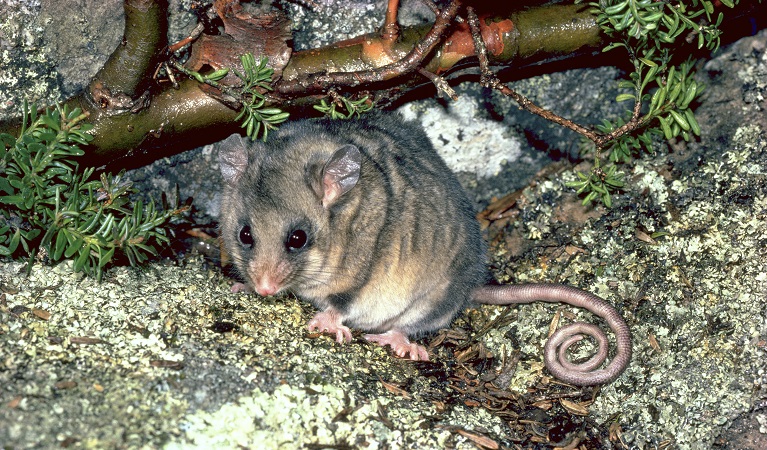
(352, 107)
(652, 32)
(49, 209)
(625, 148)
(256, 79)
(670, 103)
(598, 184)
(210, 77)
(653, 24)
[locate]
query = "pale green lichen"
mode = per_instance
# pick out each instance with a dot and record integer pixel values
(708, 371)
(646, 178)
(280, 419)
(708, 277)
(459, 124)
(296, 416)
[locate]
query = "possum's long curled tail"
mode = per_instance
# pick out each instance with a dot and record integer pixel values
(555, 351)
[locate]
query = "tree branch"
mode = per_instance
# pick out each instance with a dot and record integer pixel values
(127, 74)
(319, 82)
(138, 118)
(488, 79)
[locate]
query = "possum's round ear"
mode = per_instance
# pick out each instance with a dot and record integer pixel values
(233, 158)
(340, 174)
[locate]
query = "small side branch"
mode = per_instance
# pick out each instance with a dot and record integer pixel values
(122, 82)
(390, 30)
(488, 79)
(440, 83)
(320, 82)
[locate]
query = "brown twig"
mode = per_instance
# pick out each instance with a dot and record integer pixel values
(435, 9)
(486, 75)
(319, 82)
(440, 83)
(488, 79)
(196, 33)
(390, 29)
(628, 127)
(429, 4)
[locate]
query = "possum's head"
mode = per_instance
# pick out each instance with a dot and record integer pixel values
(277, 208)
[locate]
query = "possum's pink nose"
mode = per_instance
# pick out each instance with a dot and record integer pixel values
(267, 278)
(266, 286)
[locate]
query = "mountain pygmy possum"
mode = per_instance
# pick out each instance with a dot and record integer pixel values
(364, 220)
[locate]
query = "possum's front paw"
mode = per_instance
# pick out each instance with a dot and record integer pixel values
(400, 344)
(241, 287)
(330, 322)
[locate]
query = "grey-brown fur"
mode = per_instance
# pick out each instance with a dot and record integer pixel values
(400, 250)
(364, 220)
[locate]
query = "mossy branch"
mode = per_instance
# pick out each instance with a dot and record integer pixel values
(140, 112)
(136, 122)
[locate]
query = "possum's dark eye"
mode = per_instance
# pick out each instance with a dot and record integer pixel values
(296, 240)
(246, 239)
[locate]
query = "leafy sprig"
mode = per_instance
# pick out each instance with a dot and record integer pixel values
(662, 91)
(51, 210)
(256, 81)
(658, 24)
(598, 184)
(350, 109)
